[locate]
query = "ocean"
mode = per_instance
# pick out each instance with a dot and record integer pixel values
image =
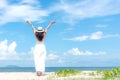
(50, 69)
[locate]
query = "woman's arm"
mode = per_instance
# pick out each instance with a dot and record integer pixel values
(46, 30)
(50, 24)
(30, 23)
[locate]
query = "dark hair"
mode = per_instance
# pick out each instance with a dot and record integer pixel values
(39, 35)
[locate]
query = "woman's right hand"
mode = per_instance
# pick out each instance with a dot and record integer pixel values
(53, 22)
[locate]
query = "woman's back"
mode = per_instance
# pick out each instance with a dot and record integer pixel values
(40, 36)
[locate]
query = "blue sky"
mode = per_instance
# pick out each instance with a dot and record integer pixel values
(86, 33)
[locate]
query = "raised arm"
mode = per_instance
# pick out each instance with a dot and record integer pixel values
(30, 23)
(50, 24)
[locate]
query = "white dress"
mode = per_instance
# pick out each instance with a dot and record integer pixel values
(40, 56)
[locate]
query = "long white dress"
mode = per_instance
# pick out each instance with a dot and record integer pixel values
(40, 56)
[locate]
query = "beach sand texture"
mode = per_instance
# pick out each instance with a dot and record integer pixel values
(23, 76)
(45, 76)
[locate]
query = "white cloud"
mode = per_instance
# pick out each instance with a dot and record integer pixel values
(111, 35)
(28, 9)
(93, 36)
(81, 9)
(76, 51)
(101, 25)
(11, 48)
(3, 4)
(68, 11)
(52, 56)
(5, 48)
(96, 35)
(80, 38)
(7, 51)
(67, 30)
(30, 2)
(20, 11)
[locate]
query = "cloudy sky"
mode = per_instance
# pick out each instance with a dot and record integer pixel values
(86, 33)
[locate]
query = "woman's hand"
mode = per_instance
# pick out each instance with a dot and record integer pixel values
(29, 22)
(53, 22)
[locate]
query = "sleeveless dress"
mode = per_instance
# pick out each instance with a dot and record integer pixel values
(40, 56)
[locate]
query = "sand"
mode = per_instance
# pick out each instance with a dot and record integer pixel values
(45, 76)
(23, 76)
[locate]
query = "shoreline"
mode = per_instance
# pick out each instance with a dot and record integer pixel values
(51, 69)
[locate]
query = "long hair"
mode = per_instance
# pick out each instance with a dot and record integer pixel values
(39, 35)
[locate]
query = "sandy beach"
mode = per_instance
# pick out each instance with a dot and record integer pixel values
(45, 76)
(23, 76)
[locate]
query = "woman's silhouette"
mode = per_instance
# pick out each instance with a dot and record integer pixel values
(40, 50)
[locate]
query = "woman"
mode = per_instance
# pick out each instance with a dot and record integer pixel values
(40, 50)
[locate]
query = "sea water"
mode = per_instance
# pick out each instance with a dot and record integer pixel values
(50, 69)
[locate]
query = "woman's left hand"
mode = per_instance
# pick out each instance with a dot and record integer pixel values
(29, 22)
